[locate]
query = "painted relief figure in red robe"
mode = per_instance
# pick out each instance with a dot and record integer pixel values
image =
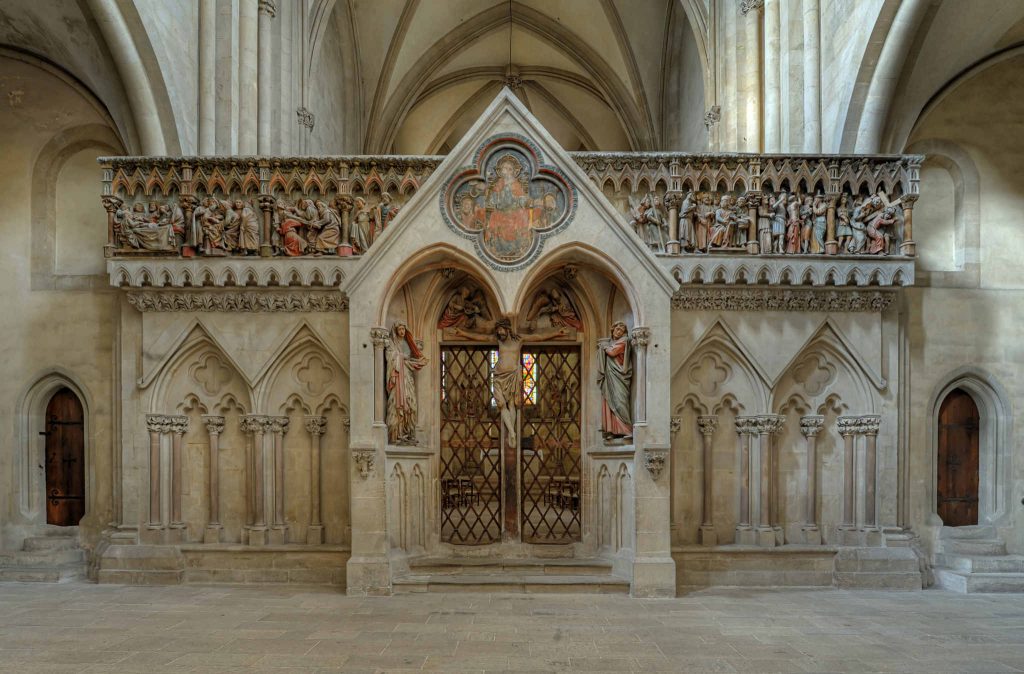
(511, 212)
(615, 377)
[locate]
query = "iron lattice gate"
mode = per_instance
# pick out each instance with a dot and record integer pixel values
(470, 470)
(473, 463)
(550, 452)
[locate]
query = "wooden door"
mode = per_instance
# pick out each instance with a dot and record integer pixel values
(958, 460)
(65, 459)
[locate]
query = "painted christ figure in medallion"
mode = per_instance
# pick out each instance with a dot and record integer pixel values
(508, 202)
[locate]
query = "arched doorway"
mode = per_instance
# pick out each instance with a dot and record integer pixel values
(958, 459)
(65, 459)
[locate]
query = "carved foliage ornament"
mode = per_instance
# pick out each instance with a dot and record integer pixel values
(778, 299)
(245, 301)
(508, 202)
(365, 459)
(654, 461)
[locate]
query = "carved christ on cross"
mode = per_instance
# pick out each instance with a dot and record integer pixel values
(507, 374)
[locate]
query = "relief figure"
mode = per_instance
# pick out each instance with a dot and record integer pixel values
(615, 377)
(404, 359)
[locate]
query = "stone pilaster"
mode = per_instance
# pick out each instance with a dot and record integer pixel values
(707, 425)
(640, 338)
(277, 427)
(157, 425)
(848, 429)
(380, 337)
(214, 529)
(316, 427)
(746, 430)
(811, 426)
(769, 532)
(179, 424)
(256, 527)
(868, 427)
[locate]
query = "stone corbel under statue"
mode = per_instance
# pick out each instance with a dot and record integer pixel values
(365, 461)
(655, 460)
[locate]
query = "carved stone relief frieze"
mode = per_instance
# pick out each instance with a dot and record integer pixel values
(238, 301)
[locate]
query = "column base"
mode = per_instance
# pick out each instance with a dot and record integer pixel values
(256, 535)
(177, 533)
(265, 250)
(314, 535)
(780, 535)
(811, 534)
(654, 577)
(831, 247)
(753, 247)
(212, 533)
(344, 250)
(745, 535)
(908, 248)
(153, 534)
(368, 576)
(278, 535)
(846, 534)
(766, 537)
(672, 248)
(707, 535)
(872, 537)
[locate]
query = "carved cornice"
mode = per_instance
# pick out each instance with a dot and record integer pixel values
(779, 299)
(316, 273)
(707, 423)
(365, 460)
(654, 461)
(214, 423)
(823, 272)
(811, 424)
(254, 301)
(316, 425)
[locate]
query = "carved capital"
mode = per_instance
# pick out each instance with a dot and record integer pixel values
(214, 424)
(179, 424)
(753, 199)
(316, 425)
(640, 337)
(306, 117)
(252, 423)
(654, 461)
(365, 460)
(847, 425)
(869, 424)
(747, 6)
(746, 425)
(268, 7)
(713, 116)
(111, 203)
(673, 200)
(159, 423)
(380, 337)
(908, 201)
(267, 202)
(811, 424)
(768, 424)
(346, 423)
(675, 425)
(278, 425)
(707, 423)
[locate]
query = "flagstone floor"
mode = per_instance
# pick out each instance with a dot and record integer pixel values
(104, 628)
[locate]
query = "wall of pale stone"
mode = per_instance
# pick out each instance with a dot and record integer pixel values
(48, 330)
(976, 327)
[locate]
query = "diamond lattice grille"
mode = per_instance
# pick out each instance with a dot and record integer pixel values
(470, 448)
(551, 489)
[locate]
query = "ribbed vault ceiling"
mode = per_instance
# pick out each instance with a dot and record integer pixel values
(592, 72)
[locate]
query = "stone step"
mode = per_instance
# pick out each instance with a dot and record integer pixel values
(982, 564)
(34, 543)
(510, 583)
(974, 546)
(969, 532)
(504, 566)
(966, 583)
(35, 558)
(906, 581)
(42, 574)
